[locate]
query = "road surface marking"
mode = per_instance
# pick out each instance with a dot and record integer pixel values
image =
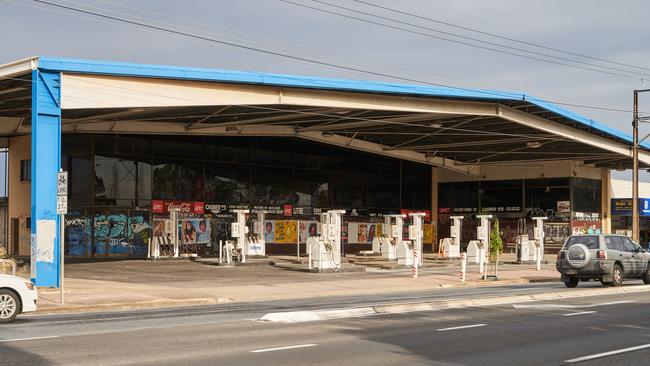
(461, 327)
(283, 348)
(605, 354)
(568, 306)
(580, 313)
(26, 339)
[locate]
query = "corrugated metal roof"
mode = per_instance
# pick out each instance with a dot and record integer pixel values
(295, 81)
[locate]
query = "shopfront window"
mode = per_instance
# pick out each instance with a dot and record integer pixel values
(115, 180)
(227, 183)
(177, 180)
(586, 195)
(502, 195)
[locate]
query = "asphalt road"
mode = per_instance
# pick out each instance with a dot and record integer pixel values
(534, 333)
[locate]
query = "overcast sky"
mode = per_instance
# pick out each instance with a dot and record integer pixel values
(611, 30)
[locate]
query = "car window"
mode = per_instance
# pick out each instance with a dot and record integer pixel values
(629, 245)
(590, 241)
(611, 243)
(619, 243)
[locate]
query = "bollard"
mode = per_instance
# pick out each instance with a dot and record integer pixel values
(481, 259)
(539, 255)
(463, 266)
(415, 264)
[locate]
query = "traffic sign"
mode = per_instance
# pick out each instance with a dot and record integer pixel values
(61, 205)
(62, 183)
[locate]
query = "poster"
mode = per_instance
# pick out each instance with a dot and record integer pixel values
(286, 232)
(269, 233)
(308, 229)
(353, 232)
(372, 231)
(428, 234)
(195, 231)
(362, 233)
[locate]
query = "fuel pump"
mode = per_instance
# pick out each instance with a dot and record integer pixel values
(325, 250)
(382, 239)
(538, 235)
(452, 247)
(483, 235)
(256, 242)
(238, 230)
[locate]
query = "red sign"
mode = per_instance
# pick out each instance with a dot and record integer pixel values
(186, 207)
(287, 210)
(427, 213)
(444, 210)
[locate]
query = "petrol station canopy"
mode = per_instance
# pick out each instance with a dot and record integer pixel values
(454, 128)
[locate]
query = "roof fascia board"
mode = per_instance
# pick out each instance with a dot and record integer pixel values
(18, 68)
(217, 75)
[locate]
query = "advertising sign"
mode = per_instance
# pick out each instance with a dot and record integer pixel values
(623, 206)
(184, 207)
(286, 232)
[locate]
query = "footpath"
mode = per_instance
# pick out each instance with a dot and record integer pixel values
(130, 284)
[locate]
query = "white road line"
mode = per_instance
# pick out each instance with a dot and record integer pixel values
(579, 313)
(461, 327)
(568, 306)
(283, 348)
(25, 339)
(605, 354)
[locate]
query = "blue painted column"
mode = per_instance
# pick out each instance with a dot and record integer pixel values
(46, 161)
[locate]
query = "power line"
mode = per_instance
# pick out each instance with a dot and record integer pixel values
(217, 41)
(498, 36)
(460, 42)
(476, 39)
(250, 48)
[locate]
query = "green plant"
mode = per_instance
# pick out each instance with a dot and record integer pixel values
(496, 243)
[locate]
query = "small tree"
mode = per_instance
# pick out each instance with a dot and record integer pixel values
(496, 244)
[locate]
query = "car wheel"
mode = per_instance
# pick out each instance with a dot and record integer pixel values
(646, 276)
(572, 282)
(9, 306)
(617, 276)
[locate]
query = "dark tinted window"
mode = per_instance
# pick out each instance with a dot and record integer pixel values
(590, 241)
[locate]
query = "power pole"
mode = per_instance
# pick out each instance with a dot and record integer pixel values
(635, 168)
(635, 165)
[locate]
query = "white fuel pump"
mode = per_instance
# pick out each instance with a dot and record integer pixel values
(452, 247)
(239, 231)
(538, 235)
(256, 242)
(325, 250)
(381, 241)
(390, 237)
(483, 235)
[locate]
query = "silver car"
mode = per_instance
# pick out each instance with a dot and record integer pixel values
(606, 257)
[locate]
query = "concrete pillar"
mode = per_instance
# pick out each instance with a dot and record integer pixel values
(46, 162)
(605, 201)
(435, 171)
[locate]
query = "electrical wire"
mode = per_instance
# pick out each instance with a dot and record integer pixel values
(475, 30)
(139, 24)
(619, 74)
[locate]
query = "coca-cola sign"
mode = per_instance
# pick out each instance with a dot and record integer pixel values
(186, 207)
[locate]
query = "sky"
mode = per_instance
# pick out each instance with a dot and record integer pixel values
(609, 30)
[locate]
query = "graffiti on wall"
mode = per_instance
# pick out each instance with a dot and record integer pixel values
(113, 234)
